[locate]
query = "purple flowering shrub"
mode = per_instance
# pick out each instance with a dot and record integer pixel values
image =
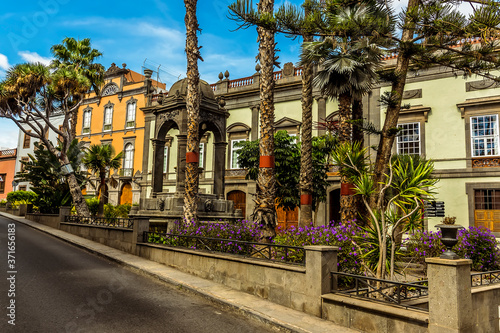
(349, 257)
(480, 245)
(242, 230)
(423, 244)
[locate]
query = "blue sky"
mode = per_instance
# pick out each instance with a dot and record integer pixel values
(131, 32)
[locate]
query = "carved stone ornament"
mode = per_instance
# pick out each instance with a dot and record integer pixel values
(411, 94)
(480, 85)
(110, 89)
(209, 205)
(206, 117)
(288, 69)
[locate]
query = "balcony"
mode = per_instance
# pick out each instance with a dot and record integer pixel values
(126, 172)
(485, 162)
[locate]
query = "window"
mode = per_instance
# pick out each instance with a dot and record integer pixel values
(2, 182)
(87, 115)
(27, 139)
(202, 154)
(128, 163)
(408, 139)
(22, 188)
(484, 135)
(234, 153)
(130, 115)
(23, 161)
(108, 118)
(487, 199)
(165, 159)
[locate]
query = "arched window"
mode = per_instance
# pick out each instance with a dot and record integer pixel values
(128, 161)
(131, 107)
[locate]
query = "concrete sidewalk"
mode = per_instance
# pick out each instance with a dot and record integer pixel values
(275, 315)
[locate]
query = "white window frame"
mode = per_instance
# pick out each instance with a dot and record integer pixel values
(108, 118)
(484, 135)
(87, 118)
(165, 159)
(202, 154)
(131, 110)
(234, 162)
(403, 138)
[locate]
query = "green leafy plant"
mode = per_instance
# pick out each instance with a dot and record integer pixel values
(93, 204)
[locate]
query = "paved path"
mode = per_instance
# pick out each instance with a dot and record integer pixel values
(274, 315)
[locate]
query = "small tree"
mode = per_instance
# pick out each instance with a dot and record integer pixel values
(43, 172)
(408, 183)
(100, 160)
(287, 154)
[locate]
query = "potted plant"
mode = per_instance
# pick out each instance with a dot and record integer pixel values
(449, 238)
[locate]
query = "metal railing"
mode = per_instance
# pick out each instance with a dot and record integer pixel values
(271, 252)
(391, 292)
(485, 278)
(113, 222)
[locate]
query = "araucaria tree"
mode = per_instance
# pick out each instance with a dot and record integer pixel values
(32, 93)
(193, 110)
(100, 160)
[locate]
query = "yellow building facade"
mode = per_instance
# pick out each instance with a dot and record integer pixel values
(115, 118)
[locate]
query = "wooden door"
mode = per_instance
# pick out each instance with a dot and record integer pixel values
(239, 199)
(287, 218)
(489, 219)
(126, 196)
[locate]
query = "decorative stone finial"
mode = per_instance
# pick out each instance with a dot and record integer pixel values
(148, 73)
(124, 65)
(226, 74)
(221, 76)
(257, 67)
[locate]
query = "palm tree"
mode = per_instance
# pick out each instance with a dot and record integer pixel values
(348, 63)
(306, 160)
(265, 210)
(99, 159)
(30, 95)
(193, 109)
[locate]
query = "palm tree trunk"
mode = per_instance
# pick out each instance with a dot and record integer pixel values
(306, 174)
(265, 210)
(74, 188)
(347, 197)
(193, 108)
(102, 192)
(358, 136)
(392, 114)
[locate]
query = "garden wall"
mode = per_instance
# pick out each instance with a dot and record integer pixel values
(296, 287)
(486, 305)
(370, 316)
(121, 239)
(51, 220)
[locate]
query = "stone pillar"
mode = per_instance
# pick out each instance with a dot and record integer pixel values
(220, 169)
(140, 225)
(158, 158)
(321, 112)
(254, 135)
(320, 261)
(145, 148)
(63, 212)
(450, 299)
(181, 163)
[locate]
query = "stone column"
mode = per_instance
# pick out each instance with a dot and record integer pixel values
(145, 148)
(450, 299)
(321, 112)
(158, 158)
(220, 169)
(181, 163)
(254, 135)
(320, 261)
(140, 225)
(63, 212)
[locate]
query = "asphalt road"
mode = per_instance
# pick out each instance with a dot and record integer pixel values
(56, 287)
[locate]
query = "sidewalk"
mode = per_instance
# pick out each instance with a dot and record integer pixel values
(275, 315)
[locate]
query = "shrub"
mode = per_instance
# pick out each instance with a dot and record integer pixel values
(93, 204)
(480, 245)
(123, 210)
(110, 211)
(423, 244)
(349, 257)
(21, 197)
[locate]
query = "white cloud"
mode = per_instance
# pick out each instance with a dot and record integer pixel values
(4, 62)
(34, 57)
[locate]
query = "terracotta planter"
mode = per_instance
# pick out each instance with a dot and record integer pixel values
(449, 239)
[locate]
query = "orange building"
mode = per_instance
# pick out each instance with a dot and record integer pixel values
(7, 171)
(115, 118)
